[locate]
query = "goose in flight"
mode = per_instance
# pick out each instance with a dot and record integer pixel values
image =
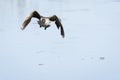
(44, 21)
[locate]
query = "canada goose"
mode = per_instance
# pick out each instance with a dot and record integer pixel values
(44, 21)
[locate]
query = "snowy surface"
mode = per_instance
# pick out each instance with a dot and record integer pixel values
(89, 51)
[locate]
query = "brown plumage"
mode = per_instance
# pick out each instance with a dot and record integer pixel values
(44, 21)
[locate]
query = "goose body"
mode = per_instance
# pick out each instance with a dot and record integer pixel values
(44, 21)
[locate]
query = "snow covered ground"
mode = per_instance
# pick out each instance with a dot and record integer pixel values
(89, 51)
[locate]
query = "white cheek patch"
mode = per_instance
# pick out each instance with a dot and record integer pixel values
(47, 21)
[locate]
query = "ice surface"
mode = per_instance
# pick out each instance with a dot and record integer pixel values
(89, 51)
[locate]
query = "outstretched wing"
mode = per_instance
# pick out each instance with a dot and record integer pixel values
(34, 14)
(58, 24)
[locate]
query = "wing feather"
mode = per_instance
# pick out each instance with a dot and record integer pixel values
(34, 14)
(58, 24)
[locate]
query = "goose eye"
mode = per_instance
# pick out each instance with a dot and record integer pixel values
(43, 20)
